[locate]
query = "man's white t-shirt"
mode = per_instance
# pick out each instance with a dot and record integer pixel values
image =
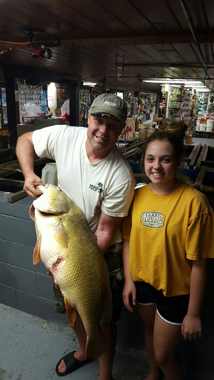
(107, 185)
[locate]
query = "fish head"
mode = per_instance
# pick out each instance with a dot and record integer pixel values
(52, 201)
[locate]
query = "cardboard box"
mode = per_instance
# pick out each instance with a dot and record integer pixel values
(188, 140)
(137, 124)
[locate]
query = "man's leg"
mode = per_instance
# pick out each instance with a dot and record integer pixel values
(59, 304)
(113, 258)
(81, 337)
(106, 360)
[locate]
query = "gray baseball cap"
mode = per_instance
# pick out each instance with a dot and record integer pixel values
(110, 105)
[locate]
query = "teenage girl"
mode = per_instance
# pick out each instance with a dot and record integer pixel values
(167, 238)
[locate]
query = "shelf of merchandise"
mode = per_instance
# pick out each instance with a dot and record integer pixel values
(142, 106)
(3, 108)
(163, 107)
(84, 105)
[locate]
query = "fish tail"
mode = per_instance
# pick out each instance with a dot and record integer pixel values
(96, 347)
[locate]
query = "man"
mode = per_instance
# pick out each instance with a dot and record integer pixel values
(93, 173)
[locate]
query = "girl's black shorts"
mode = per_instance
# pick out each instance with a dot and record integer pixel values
(170, 309)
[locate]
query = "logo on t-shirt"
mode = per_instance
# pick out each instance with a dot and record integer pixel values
(152, 219)
(98, 187)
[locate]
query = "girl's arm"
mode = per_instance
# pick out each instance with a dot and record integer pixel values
(129, 287)
(191, 326)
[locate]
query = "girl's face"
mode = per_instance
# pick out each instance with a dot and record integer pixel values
(160, 166)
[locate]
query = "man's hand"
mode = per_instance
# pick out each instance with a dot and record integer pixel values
(30, 185)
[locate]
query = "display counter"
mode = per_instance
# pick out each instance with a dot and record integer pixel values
(23, 128)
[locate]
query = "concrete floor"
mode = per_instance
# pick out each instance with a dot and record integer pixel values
(31, 347)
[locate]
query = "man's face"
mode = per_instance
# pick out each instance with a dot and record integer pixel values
(103, 132)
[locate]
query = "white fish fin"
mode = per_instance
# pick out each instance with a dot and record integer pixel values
(32, 212)
(60, 235)
(96, 347)
(36, 252)
(71, 312)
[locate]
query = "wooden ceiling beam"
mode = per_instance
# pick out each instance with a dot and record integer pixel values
(141, 40)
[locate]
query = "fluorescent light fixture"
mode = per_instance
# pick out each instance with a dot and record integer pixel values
(173, 81)
(120, 94)
(195, 85)
(91, 84)
(202, 89)
(167, 87)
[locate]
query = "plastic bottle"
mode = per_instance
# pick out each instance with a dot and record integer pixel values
(49, 174)
(52, 97)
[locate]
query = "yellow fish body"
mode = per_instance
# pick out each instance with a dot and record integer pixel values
(68, 249)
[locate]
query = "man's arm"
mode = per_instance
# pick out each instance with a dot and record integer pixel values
(25, 154)
(105, 231)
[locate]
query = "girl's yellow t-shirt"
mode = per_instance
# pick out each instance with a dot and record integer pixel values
(166, 233)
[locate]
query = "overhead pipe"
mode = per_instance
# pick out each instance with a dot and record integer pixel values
(123, 99)
(116, 80)
(192, 29)
(162, 64)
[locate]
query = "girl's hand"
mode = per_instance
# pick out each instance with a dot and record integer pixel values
(191, 327)
(129, 290)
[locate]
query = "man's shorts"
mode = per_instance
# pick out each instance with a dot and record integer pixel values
(114, 261)
(170, 309)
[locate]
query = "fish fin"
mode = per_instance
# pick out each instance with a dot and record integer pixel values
(60, 235)
(32, 212)
(96, 347)
(71, 312)
(36, 252)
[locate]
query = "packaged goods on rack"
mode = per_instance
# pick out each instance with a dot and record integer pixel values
(211, 104)
(163, 105)
(203, 102)
(3, 107)
(32, 100)
(142, 106)
(186, 105)
(84, 105)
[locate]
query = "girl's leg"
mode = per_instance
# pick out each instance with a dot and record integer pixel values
(166, 339)
(147, 313)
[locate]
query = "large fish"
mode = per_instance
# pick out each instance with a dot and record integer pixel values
(68, 249)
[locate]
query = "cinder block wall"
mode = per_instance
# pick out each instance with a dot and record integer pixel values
(28, 288)
(23, 285)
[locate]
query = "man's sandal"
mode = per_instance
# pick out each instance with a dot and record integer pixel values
(72, 364)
